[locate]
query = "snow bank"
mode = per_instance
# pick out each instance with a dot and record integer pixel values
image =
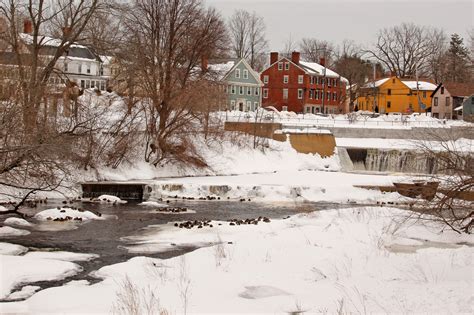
(31, 270)
(3, 209)
(109, 199)
(282, 186)
(17, 221)
(66, 214)
(60, 255)
(6, 231)
(153, 204)
(12, 249)
(319, 261)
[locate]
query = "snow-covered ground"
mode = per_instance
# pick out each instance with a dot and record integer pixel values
(359, 120)
(360, 260)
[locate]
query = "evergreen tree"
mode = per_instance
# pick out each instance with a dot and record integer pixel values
(458, 61)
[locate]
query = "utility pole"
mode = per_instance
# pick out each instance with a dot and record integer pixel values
(375, 89)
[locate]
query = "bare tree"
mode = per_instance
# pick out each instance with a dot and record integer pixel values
(314, 49)
(247, 32)
(290, 46)
(166, 41)
(406, 48)
(453, 203)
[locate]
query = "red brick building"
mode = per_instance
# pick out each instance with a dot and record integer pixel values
(301, 86)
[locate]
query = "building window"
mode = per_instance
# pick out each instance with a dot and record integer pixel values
(329, 82)
(265, 93)
(241, 90)
(284, 108)
(389, 92)
(246, 74)
(280, 66)
(448, 99)
(285, 94)
(92, 84)
(101, 70)
(249, 90)
(232, 89)
(79, 68)
(65, 67)
(237, 73)
(285, 79)
(328, 96)
(311, 94)
(232, 105)
(317, 80)
(424, 94)
(265, 79)
(335, 82)
(300, 94)
(257, 89)
(88, 69)
(316, 94)
(436, 101)
(442, 90)
(389, 104)
(287, 66)
(334, 96)
(249, 106)
(83, 84)
(255, 105)
(102, 85)
(300, 79)
(88, 84)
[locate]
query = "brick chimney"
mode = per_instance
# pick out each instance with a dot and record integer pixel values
(204, 63)
(295, 57)
(322, 62)
(27, 27)
(273, 57)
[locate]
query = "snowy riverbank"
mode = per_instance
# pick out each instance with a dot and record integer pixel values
(361, 260)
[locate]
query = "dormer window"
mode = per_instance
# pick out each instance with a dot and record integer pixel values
(237, 73)
(246, 74)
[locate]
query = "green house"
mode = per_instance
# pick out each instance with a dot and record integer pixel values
(243, 84)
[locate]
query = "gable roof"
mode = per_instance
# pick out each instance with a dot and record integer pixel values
(456, 89)
(312, 68)
(255, 75)
(219, 68)
(49, 46)
(422, 85)
(412, 85)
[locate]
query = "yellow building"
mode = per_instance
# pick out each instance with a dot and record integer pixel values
(396, 95)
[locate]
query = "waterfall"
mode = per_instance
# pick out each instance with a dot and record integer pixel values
(402, 161)
(387, 160)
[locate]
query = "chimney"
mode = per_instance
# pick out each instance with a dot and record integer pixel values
(322, 62)
(273, 57)
(204, 63)
(27, 27)
(295, 57)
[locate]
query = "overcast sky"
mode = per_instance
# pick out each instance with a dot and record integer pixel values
(359, 20)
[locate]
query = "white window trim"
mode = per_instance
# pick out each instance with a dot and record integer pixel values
(265, 93)
(255, 105)
(284, 108)
(300, 94)
(287, 66)
(316, 96)
(249, 90)
(246, 74)
(257, 91)
(241, 90)
(286, 79)
(232, 89)
(265, 79)
(237, 73)
(300, 79)
(280, 66)
(285, 97)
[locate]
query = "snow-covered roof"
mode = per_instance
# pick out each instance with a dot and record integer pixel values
(317, 69)
(376, 83)
(219, 70)
(106, 60)
(422, 85)
(46, 41)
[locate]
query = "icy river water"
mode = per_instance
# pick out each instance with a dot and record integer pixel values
(107, 238)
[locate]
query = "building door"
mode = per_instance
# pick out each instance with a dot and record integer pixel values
(241, 106)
